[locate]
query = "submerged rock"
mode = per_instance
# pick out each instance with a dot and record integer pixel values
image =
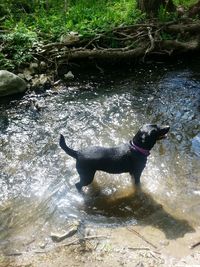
(196, 144)
(11, 83)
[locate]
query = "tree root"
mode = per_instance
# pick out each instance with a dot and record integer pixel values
(170, 46)
(131, 42)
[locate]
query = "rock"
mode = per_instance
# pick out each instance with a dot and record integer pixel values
(42, 245)
(33, 67)
(36, 105)
(11, 83)
(35, 82)
(70, 38)
(194, 10)
(43, 79)
(196, 144)
(180, 10)
(27, 75)
(43, 65)
(178, 115)
(179, 137)
(188, 116)
(164, 243)
(69, 76)
(40, 80)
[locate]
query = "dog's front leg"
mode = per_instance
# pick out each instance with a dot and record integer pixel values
(135, 175)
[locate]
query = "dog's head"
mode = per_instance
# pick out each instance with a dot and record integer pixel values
(147, 136)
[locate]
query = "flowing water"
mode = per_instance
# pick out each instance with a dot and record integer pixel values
(37, 178)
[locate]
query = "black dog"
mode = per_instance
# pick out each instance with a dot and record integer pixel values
(130, 157)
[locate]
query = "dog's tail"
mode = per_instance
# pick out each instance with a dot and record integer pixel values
(69, 151)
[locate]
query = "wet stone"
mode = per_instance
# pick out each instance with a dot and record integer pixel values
(69, 76)
(196, 144)
(11, 84)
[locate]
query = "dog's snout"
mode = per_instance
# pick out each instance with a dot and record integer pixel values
(163, 132)
(166, 128)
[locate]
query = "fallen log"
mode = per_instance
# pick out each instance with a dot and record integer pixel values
(179, 47)
(103, 54)
(132, 42)
(192, 28)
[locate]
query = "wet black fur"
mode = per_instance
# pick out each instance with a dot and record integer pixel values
(118, 159)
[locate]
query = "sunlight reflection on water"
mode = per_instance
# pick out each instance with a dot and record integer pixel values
(39, 178)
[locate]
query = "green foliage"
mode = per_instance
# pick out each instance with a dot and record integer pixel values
(85, 16)
(164, 15)
(89, 15)
(167, 36)
(17, 47)
(185, 3)
(27, 21)
(52, 18)
(5, 63)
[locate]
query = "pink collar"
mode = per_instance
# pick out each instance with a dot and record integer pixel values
(145, 152)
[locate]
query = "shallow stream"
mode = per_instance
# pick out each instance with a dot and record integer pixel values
(37, 178)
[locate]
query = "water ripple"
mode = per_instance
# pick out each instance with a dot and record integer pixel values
(38, 178)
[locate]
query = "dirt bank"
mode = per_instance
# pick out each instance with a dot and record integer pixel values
(123, 246)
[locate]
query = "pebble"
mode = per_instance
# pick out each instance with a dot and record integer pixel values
(164, 243)
(178, 137)
(42, 245)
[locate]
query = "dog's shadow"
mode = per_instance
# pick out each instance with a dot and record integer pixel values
(136, 204)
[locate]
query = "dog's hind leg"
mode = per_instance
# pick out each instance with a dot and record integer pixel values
(86, 177)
